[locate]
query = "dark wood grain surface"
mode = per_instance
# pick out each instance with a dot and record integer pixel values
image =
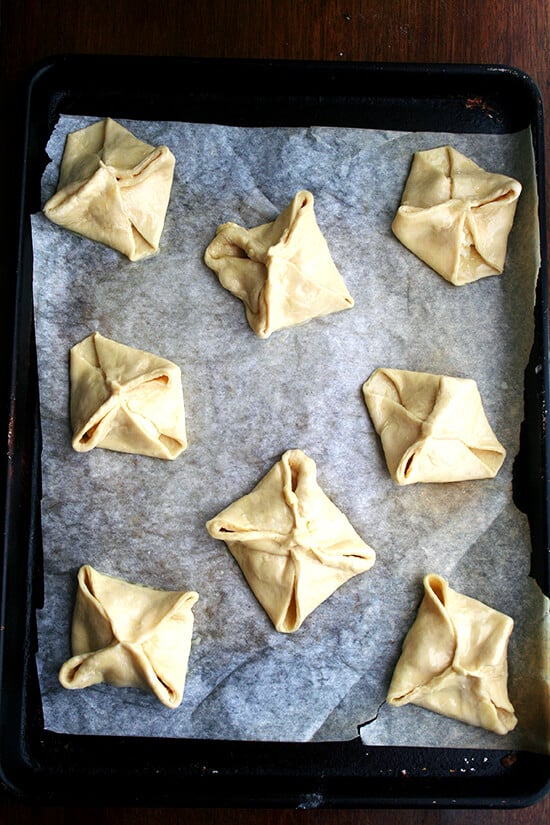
(457, 31)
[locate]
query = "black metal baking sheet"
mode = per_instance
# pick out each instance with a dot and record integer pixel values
(48, 767)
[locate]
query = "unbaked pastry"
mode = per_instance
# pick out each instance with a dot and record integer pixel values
(113, 188)
(129, 635)
(282, 271)
(455, 216)
(432, 427)
(454, 660)
(294, 546)
(125, 399)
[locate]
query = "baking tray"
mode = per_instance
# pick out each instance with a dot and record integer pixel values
(47, 767)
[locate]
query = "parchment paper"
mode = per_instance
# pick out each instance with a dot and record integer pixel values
(248, 400)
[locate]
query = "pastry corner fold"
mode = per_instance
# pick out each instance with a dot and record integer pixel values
(455, 216)
(113, 188)
(125, 399)
(129, 635)
(454, 660)
(282, 271)
(433, 428)
(293, 545)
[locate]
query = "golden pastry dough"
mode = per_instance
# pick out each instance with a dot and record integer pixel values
(455, 216)
(282, 271)
(125, 399)
(454, 660)
(294, 546)
(129, 635)
(113, 188)
(433, 427)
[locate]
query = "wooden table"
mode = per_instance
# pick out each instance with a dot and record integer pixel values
(458, 31)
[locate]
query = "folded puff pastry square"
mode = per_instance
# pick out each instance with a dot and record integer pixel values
(129, 635)
(454, 660)
(282, 271)
(455, 216)
(294, 546)
(113, 188)
(433, 427)
(125, 399)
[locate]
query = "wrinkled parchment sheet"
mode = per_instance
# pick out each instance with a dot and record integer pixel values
(247, 401)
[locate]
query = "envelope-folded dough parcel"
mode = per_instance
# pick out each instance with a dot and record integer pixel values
(129, 635)
(282, 271)
(125, 399)
(455, 216)
(433, 428)
(294, 546)
(454, 660)
(113, 188)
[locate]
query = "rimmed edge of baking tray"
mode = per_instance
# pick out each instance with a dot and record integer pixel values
(49, 767)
